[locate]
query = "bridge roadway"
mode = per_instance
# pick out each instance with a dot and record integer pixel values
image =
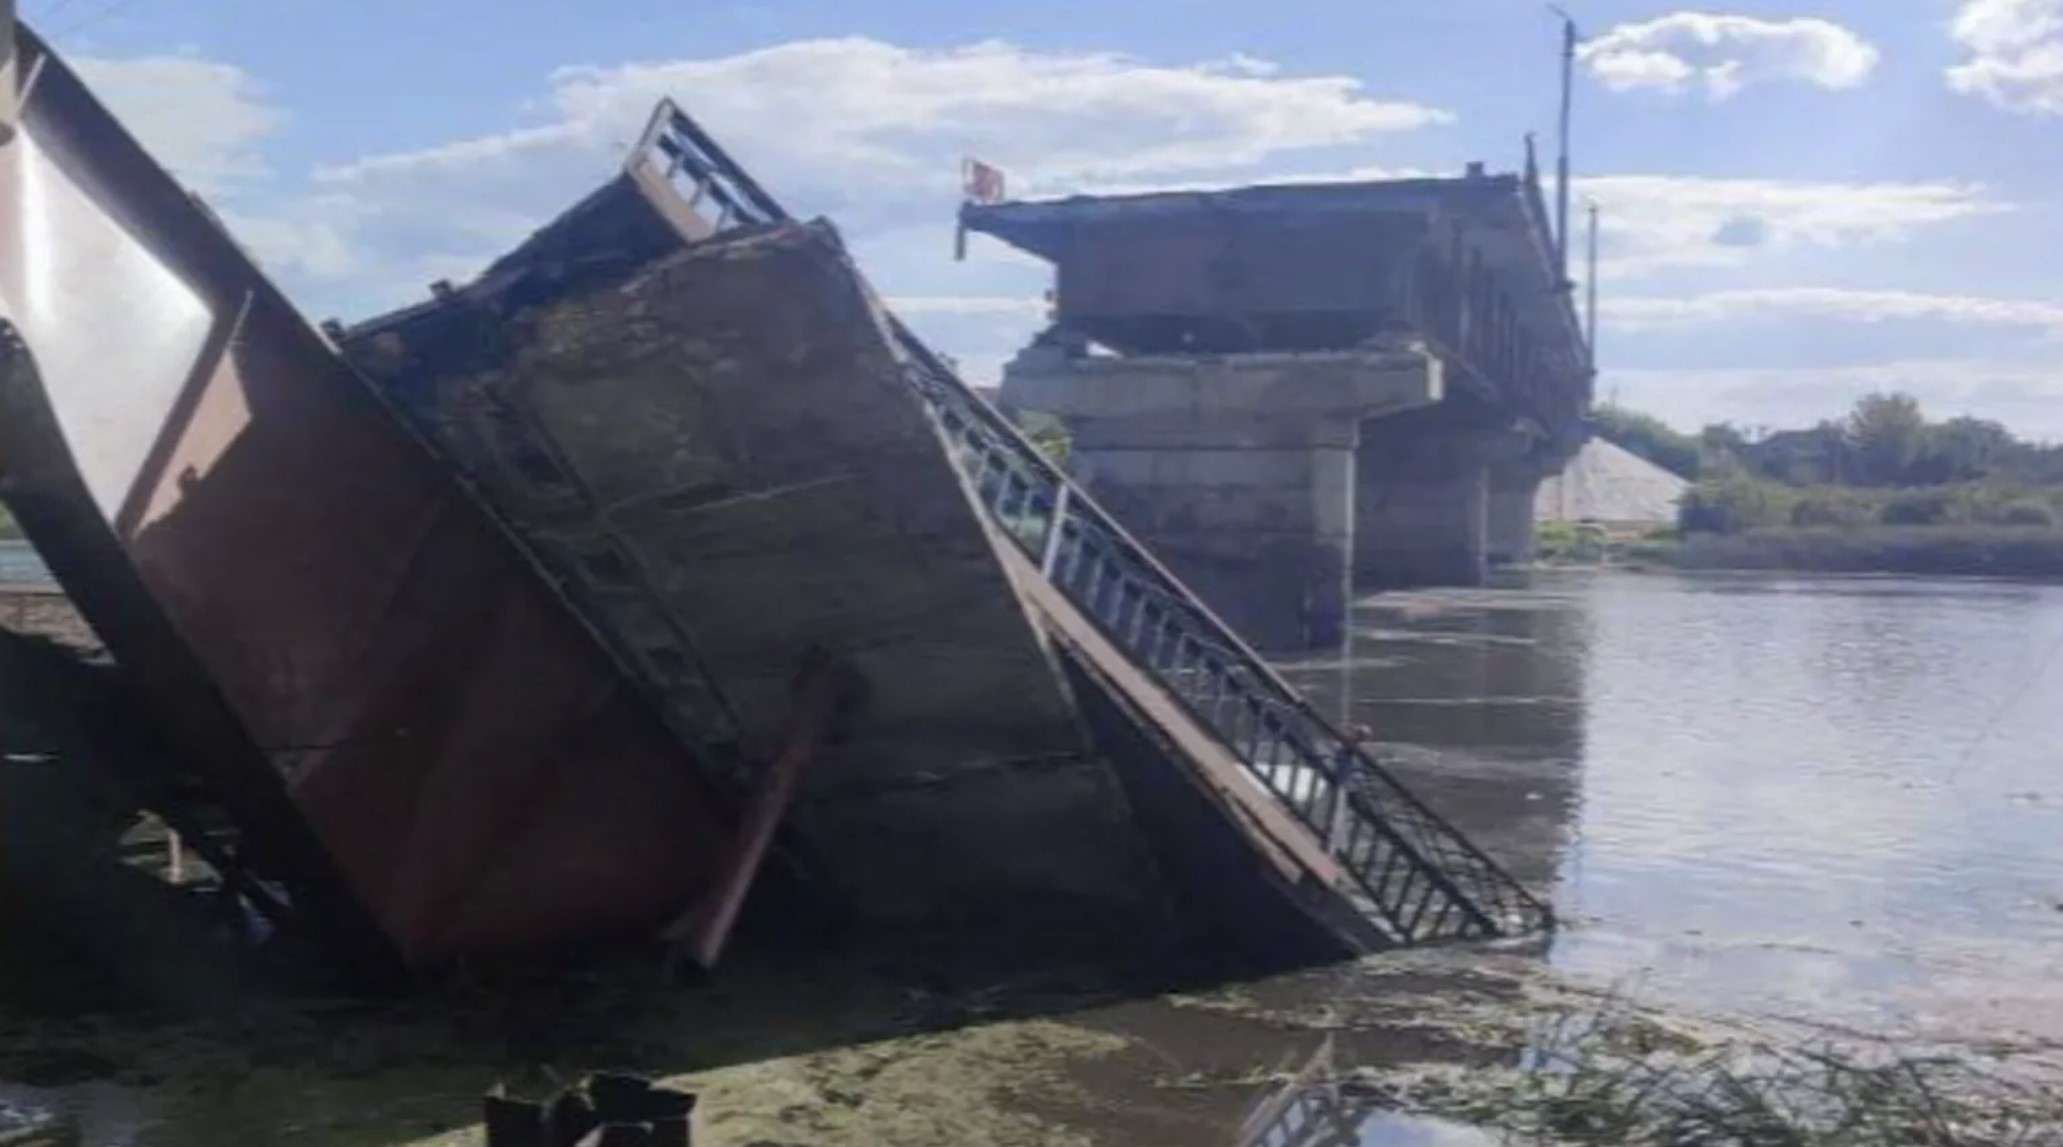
(1289, 391)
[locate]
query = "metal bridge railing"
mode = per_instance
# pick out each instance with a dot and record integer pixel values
(1413, 871)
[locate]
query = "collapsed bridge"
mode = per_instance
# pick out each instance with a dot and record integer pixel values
(660, 554)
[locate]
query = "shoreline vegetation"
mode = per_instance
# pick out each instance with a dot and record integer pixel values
(1884, 490)
(2031, 554)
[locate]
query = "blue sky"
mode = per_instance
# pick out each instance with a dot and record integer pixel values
(1802, 201)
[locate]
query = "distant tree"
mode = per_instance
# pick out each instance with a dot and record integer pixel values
(1961, 450)
(1885, 441)
(1724, 438)
(2033, 463)
(1732, 504)
(1722, 448)
(1888, 432)
(1819, 456)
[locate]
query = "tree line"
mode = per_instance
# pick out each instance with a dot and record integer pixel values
(1886, 463)
(1887, 440)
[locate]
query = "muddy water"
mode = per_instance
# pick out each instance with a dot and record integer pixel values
(1833, 800)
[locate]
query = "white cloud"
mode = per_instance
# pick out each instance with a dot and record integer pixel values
(2025, 395)
(867, 132)
(1639, 312)
(1005, 305)
(1725, 53)
(370, 234)
(2015, 52)
(203, 120)
(860, 115)
(1659, 222)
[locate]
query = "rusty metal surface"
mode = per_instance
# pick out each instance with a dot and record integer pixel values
(409, 725)
(827, 692)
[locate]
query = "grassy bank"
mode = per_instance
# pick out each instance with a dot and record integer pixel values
(1616, 1076)
(1944, 551)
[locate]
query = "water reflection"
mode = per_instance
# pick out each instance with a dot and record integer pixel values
(1477, 699)
(1311, 1109)
(1827, 798)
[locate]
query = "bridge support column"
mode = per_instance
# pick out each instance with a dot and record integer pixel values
(1421, 527)
(1510, 515)
(1443, 496)
(1238, 472)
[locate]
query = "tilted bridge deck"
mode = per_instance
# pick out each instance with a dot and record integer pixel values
(1409, 869)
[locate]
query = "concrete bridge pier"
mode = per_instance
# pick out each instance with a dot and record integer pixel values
(1255, 514)
(1422, 520)
(1441, 500)
(1237, 471)
(1509, 513)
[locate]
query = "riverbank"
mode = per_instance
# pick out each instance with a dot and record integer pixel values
(2033, 553)
(1451, 1047)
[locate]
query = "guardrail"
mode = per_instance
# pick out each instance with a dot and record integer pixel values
(1413, 871)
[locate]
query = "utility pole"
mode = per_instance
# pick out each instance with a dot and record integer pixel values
(1561, 179)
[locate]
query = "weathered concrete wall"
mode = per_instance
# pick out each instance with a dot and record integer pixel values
(1254, 515)
(734, 422)
(1237, 471)
(1418, 527)
(1444, 493)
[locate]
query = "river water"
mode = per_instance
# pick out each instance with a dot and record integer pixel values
(1830, 799)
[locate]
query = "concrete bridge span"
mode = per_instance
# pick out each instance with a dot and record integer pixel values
(1290, 391)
